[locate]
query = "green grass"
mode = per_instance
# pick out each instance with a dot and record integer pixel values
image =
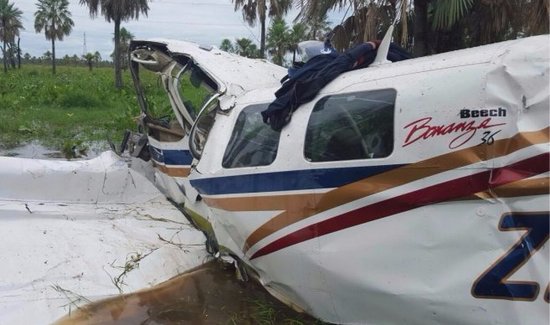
(265, 310)
(74, 106)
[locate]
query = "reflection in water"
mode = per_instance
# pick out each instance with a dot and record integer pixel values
(32, 150)
(36, 150)
(208, 295)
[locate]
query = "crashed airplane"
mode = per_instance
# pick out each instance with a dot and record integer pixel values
(409, 192)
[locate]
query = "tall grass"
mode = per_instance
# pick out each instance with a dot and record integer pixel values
(74, 105)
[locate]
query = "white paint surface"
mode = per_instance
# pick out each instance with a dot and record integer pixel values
(68, 229)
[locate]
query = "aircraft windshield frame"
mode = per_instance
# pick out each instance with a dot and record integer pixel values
(178, 74)
(192, 75)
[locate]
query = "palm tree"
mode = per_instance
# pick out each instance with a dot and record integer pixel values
(66, 59)
(281, 38)
(10, 24)
(465, 23)
(47, 56)
(54, 17)
(299, 32)
(89, 58)
(438, 25)
(97, 58)
(537, 14)
(125, 38)
(75, 60)
(421, 28)
(318, 25)
(278, 40)
(117, 11)
(259, 10)
(12, 51)
(18, 52)
(227, 46)
(245, 47)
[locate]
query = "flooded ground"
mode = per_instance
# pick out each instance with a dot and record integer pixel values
(32, 150)
(210, 294)
(36, 150)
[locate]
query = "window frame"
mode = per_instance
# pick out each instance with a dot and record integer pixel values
(311, 133)
(235, 141)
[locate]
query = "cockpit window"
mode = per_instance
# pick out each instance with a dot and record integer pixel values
(201, 128)
(171, 89)
(195, 88)
(351, 126)
(253, 143)
(150, 82)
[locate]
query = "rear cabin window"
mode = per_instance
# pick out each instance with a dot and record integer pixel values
(351, 126)
(253, 143)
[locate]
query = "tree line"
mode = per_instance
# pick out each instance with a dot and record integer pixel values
(423, 26)
(89, 59)
(93, 59)
(53, 18)
(281, 38)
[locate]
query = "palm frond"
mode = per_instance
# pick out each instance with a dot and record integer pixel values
(123, 10)
(54, 17)
(536, 17)
(10, 21)
(448, 12)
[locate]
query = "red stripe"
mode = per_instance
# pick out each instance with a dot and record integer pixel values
(433, 194)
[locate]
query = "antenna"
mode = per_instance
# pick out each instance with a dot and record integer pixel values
(384, 48)
(85, 50)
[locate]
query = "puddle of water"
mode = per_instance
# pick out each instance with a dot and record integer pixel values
(36, 150)
(32, 150)
(208, 295)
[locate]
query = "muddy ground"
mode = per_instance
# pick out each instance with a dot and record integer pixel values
(210, 294)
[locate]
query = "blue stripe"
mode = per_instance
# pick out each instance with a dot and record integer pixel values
(177, 157)
(171, 157)
(287, 181)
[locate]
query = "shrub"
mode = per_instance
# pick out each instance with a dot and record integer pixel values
(78, 99)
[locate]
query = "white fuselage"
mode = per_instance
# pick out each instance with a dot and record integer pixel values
(413, 192)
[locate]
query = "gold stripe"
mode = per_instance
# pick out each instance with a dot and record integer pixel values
(264, 203)
(394, 178)
(525, 187)
(173, 171)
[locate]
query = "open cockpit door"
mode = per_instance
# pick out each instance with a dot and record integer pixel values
(199, 81)
(188, 87)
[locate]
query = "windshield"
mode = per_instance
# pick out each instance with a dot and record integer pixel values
(186, 87)
(195, 88)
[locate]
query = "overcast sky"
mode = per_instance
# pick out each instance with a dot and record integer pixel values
(204, 22)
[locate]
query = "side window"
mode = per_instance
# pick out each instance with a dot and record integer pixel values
(351, 126)
(252, 143)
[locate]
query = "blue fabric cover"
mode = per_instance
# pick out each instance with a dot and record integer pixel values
(303, 84)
